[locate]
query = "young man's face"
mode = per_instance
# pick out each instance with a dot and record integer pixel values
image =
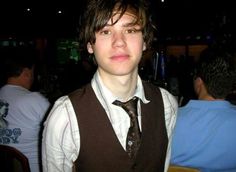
(118, 48)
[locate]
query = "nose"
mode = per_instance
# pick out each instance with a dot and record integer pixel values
(119, 40)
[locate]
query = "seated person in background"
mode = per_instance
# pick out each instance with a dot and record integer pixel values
(204, 135)
(22, 111)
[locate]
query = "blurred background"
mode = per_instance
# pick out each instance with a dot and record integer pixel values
(184, 29)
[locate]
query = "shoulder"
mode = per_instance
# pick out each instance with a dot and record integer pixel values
(61, 105)
(79, 93)
(150, 86)
(170, 110)
(168, 98)
(62, 110)
(34, 99)
(61, 116)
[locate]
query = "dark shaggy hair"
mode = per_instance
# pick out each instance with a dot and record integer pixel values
(98, 12)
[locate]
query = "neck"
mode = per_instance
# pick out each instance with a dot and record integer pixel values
(17, 81)
(208, 97)
(121, 86)
(202, 92)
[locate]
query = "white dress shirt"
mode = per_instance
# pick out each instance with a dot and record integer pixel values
(61, 138)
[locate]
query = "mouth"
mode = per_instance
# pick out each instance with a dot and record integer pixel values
(120, 57)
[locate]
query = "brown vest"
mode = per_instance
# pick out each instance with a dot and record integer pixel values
(101, 150)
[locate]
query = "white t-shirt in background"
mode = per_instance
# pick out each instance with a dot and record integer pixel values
(24, 112)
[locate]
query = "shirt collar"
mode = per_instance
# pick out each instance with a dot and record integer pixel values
(107, 94)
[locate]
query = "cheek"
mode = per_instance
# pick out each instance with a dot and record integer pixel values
(139, 44)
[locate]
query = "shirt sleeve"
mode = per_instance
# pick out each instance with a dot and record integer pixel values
(61, 140)
(170, 108)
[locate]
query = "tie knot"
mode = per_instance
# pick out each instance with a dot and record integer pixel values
(130, 106)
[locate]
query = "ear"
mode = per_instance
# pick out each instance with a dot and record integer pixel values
(89, 48)
(26, 72)
(144, 46)
(198, 84)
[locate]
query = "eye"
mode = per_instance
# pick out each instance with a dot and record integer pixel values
(105, 32)
(132, 30)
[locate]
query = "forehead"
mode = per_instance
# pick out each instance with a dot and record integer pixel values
(129, 16)
(117, 16)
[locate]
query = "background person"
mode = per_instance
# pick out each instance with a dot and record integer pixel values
(204, 136)
(23, 110)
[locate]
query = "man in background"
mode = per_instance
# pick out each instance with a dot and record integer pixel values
(22, 110)
(204, 136)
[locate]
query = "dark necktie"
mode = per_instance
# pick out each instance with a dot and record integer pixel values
(134, 135)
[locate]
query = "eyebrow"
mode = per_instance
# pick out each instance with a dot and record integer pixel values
(128, 24)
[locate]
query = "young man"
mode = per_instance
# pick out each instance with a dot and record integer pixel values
(86, 130)
(22, 110)
(204, 136)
